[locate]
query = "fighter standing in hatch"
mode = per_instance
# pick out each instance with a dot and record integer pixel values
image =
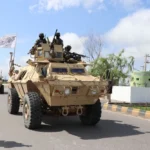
(37, 43)
(58, 40)
(41, 39)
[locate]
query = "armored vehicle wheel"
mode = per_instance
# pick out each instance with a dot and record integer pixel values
(93, 114)
(2, 89)
(32, 112)
(13, 101)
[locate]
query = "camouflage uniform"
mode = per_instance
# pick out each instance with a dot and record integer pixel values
(38, 43)
(40, 40)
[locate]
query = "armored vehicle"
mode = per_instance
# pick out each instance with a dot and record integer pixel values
(1, 86)
(54, 82)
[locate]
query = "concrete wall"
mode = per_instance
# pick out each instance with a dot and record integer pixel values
(121, 93)
(130, 94)
(140, 95)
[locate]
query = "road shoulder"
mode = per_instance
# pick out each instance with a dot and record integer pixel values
(127, 110)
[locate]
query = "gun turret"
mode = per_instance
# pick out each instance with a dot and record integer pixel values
(47, 51)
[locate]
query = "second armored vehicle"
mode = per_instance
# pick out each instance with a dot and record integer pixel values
(1, 86)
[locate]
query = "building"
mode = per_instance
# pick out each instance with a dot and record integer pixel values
(140, 79)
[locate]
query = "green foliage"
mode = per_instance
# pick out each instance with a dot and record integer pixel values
(145, 107)
(118, 65)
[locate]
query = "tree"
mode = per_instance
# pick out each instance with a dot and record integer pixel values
(93, 46)
(113, 67)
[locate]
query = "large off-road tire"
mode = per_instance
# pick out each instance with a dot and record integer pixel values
(92, 115)
(2, 89)
(13, 101)
(32, 112)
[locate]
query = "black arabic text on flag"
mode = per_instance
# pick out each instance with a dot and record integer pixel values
(8, 41)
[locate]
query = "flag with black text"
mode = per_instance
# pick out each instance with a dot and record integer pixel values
(8, 41)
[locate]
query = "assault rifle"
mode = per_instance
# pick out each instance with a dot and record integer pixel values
(53, 39)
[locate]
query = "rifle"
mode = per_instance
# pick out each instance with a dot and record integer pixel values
(53, 38)
(79, 55)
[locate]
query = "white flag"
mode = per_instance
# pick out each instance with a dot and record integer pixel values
(8, 41)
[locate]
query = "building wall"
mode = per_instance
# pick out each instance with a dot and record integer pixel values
(121, 94)
(128, 94)
(140, 79)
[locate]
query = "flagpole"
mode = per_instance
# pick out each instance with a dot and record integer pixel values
(15, 47)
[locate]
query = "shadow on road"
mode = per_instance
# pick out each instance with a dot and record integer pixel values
(12, 144)
(105, 128)
(5, 93)
(19, 114)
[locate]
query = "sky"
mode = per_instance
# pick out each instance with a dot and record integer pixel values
(122, 24)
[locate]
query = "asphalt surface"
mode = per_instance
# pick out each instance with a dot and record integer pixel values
(115, 131)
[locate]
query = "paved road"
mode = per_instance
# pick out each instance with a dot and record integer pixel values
(114, 132)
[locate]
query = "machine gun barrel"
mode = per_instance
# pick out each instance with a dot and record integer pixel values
(80, 55)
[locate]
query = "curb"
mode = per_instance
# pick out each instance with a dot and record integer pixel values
(127, 110)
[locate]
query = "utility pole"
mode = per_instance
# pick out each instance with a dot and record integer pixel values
(146, 61)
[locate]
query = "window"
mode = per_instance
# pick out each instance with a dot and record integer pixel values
(58, 54)
(74, 90)
(39, 53)
(22, 75)
(79, 71)
(47, 54)
(44, 71)
(59, 70)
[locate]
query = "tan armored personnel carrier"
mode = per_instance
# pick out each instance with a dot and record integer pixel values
(50, 84)
(1, 86)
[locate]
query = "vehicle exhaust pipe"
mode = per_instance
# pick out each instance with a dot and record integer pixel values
(65, 111)
(79, 110)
